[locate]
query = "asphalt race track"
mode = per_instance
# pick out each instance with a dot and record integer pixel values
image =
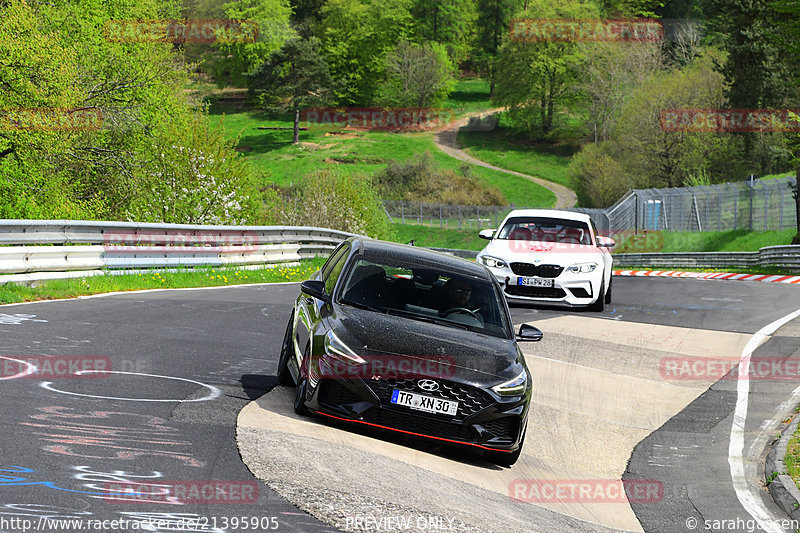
(187, 364)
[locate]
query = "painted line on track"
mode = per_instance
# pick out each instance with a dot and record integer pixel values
(750, 499)
(213, 394)
(768, 278)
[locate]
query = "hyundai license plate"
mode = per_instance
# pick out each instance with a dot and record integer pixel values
(535, 282)
(420, 402)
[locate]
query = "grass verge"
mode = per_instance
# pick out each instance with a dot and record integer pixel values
(432, 237)
(507, 149)
(279, 162)
(156, 279)
(709, 241)
(792, 459)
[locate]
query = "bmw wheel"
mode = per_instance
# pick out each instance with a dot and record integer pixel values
(599, 304)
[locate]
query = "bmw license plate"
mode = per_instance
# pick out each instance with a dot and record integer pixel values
(420, 402)
(535, 282)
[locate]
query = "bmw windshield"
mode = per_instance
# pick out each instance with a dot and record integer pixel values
(546, 230)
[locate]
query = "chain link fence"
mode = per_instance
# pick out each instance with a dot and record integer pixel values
(757, 205)
(446, 216)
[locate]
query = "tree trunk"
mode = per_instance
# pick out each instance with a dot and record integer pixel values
(296, 139)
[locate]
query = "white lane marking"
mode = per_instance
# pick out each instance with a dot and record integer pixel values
(750, 500)
(214, 391)
(30, 370)
(18, 318)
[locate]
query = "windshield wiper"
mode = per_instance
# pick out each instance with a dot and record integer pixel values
(426, 318)
(362, 306)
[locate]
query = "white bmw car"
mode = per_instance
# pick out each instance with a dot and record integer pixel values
(550, 256)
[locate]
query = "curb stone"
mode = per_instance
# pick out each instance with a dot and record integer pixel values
(783, 489)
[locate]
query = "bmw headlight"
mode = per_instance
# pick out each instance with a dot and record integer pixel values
(493, 262)
(582, 268)
(512, 387)
(335, 347)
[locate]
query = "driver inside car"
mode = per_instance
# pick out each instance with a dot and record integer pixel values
(458, 299)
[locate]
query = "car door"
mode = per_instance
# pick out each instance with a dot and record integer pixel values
(308, 309)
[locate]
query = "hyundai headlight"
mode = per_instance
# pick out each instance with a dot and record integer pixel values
(335, 347)
(493, 262)
(582, 268)
(513, 387)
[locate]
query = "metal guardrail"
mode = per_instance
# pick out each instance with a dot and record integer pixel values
(787, 257)
(35, 250)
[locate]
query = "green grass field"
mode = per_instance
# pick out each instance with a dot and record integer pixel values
(433, 237)
(724, 241)
(157, 279)
(281, 163)
(505, 149)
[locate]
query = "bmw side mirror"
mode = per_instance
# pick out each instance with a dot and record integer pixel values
(486, 234)
(316, 289)
(605, 242)
(529, 333)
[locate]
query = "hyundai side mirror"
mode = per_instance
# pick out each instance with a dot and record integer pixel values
(529, 333)
(316, 289)
(486, 234)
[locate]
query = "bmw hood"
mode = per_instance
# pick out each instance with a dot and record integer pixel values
(425, 349)
(547, 253)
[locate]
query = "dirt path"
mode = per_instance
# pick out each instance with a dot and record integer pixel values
(447, 141)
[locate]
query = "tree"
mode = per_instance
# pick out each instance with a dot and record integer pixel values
(789, 41)
(631, 8)
(447, 22)
(230, 60)
(754, 70)
(356, 35)
(416, 75)
(663, 158)
(56, 57)
(536, 80)
(610, 72)
(600, 180)
(492, 32)
(294, 77)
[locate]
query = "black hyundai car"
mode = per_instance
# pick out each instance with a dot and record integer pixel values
(413, 341)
